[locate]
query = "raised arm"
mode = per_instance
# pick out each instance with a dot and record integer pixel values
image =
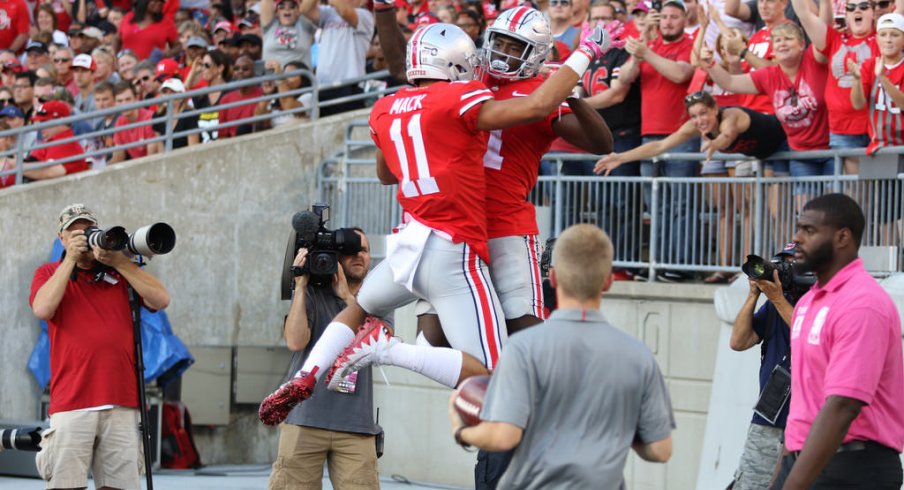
(268, 9)
(500, 114)
(738, 84)
(813, 25)
(347, 11)
(738, 9)
(392, 40)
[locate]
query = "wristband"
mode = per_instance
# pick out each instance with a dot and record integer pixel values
(458, 440)
(578, 62)
(743, 53)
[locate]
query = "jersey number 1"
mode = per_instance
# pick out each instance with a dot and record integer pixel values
(423, 184)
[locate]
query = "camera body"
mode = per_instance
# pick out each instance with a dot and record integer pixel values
(757, 267)
(549, 293)
(324, 246)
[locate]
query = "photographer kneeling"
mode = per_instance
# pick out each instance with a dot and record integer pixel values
(94, 415)
(337, 427)
(768, 325)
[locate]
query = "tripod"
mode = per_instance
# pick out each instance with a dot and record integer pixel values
(135, 305)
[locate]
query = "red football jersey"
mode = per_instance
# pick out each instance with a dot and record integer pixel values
(431, 144)
(659, 111)
(885, 122)
(512, 162)
(840, 48)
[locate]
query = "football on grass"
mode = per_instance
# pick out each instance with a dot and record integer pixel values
(469, 398)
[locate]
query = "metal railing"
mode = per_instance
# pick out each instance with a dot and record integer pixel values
(699, 224)
(20, 151)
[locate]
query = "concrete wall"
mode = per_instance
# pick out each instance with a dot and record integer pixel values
(230, 203)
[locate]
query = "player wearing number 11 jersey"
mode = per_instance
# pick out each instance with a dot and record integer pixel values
(431, 139)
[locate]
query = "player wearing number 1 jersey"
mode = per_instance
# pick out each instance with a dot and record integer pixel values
(436, 256)
(516, 45)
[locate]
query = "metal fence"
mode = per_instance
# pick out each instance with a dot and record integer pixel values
(20, 151)
(701, 224)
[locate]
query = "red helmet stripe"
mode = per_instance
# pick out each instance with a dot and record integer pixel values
(516, 17)
(414, 42)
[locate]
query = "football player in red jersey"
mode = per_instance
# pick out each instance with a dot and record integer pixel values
(441, 251)
(515, 47)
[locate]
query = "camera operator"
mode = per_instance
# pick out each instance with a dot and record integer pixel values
(337, 427)
(768, 325)
(93, 391)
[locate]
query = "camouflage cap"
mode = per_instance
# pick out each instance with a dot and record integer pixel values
(73, 212)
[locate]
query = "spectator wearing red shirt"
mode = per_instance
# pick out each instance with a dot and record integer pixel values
(125, 94)
(146, 29)
(244, 69)
(7, 163)
(796, 86)
(847, 126)
(878, 85)
(55, 109)
(14, 28)
(663, 65)
(758, 51)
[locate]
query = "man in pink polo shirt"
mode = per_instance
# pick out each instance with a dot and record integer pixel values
(846, 424)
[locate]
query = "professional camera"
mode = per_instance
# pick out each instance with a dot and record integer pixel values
(156, 239)
(323, 245)
(757, 267)
(21, 438)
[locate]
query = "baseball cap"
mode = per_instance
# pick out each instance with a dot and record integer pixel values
(789, 249)
(74, 212)
(893, 21)
(247, 23)
(52, 109)
(36, 45)
(640, 6)
(196, 42)
(92, 32)
(84, 61)
(107, 27)
(14, 66)
(173, 84)
(166, 68)
(223, 24)
(677, 3)
(11, 111)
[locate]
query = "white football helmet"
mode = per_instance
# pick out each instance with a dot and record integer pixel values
(523, 24)
(440, 52)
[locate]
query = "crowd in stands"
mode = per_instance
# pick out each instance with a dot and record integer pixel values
(828, 71)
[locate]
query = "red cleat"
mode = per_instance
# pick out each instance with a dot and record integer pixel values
(372, 338)
(276, 407)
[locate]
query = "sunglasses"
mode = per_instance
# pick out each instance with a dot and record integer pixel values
(6, 101)
(286, 5)
(850, 7)
(62, 60)
(126, 52)
(558, 3)
(146, 78)
(44, 99)
(207, 65)
(883, 4)
(695, 97)
(619, 11)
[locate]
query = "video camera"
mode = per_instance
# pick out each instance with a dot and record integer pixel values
(323, 245)
(757, 267)
(156, 239)
(21, 438)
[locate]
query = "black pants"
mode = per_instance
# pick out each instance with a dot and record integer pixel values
(489, 469)
(875, 467)
(338, 92)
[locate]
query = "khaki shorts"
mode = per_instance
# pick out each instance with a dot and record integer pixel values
(351, 458)
(107, 441)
